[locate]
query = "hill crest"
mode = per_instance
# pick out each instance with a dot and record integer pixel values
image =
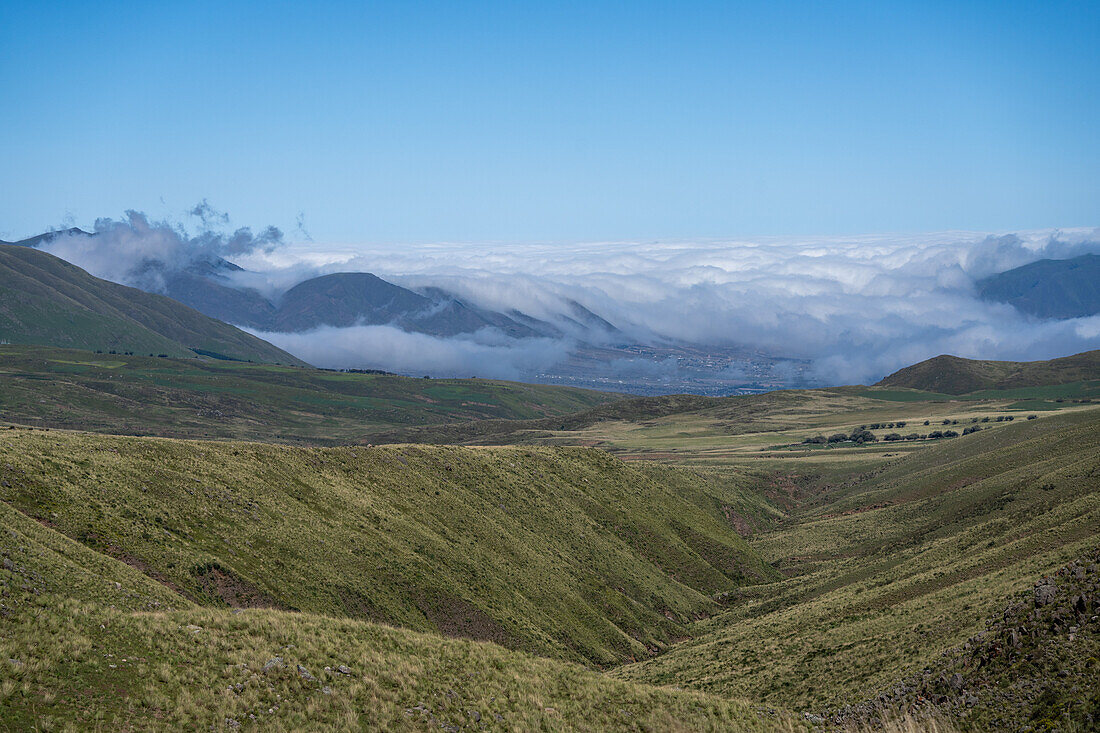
(949, 374)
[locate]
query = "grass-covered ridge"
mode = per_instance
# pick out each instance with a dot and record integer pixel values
(567, 552)
(88, 642)
(195, 398)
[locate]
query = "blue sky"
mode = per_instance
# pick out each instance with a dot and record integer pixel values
(417, 121)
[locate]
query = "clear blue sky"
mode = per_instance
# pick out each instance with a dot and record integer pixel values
(419, 121)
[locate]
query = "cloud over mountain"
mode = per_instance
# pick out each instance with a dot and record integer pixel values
(856, 307)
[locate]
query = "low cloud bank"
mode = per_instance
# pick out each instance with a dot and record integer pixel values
(484, 354)
(857, 308)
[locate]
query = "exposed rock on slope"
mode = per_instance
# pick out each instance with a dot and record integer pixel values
(1034, 668)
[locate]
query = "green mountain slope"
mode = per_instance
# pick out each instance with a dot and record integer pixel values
(90, 643)
(886, 568)
(569, 552)
(45, 300)
(955, 375)
(202, 398)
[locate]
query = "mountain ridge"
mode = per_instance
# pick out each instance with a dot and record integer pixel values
(48, 301)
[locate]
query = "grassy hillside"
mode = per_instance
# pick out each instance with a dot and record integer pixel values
(207, 398)
(889, 564)
(954, 375)
(88, 642)
(567, 552)
(45, 300)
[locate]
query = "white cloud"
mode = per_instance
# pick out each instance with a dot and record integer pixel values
(483, 354)
(858, 307)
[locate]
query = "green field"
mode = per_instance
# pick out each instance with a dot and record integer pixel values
(198, 398)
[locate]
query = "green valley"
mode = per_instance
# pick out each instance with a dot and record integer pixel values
(583, 561)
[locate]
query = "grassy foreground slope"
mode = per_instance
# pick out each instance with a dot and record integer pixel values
(47, 301)
(888, 568)
(566, 552)
(194, 398)
(88, 642)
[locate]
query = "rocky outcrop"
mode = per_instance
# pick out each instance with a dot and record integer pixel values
(1035, 667)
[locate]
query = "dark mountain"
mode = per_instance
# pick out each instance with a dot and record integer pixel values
(954, 375)
(213, 295)
(1049, 288)
(45, 300)
(346, 299)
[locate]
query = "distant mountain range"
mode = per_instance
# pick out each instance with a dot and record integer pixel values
(346, 299)
(954, 375)
(47, 301)
(1049, 288)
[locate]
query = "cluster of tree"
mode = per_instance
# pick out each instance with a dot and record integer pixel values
(863, 433)
(860, 435)
(934, 435)
(884, 425)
